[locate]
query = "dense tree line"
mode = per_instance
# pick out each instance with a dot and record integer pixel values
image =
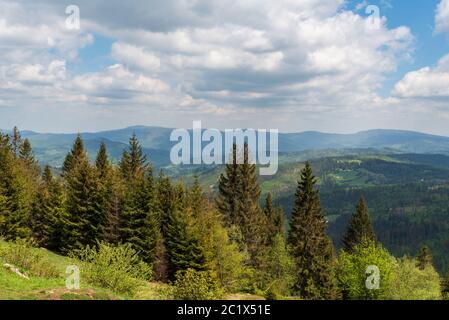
(174, 228)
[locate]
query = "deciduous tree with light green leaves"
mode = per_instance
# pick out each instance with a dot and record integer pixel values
(367, 273)
(413, 283)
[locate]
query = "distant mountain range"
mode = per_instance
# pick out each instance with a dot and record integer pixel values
(51, 148)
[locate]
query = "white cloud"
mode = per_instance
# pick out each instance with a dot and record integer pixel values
(39, 74)
(201, 59)
(442, 17)
(117, 80)
(429, 83)
(135, 57)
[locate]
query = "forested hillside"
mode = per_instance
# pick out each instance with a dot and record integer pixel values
(407, 194)
(127, 224)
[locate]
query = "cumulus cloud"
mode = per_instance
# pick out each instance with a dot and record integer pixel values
(242, 59)
(442, 17)
(135, 57)
(430, 83)
(277, 54)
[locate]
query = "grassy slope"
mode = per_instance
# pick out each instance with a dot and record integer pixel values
(13, 287)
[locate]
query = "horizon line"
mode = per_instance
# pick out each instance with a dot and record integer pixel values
(221, 130)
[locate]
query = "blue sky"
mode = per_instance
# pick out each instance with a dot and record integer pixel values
(419, 16)
(291, 65)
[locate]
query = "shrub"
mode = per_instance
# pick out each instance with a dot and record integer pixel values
(24, 256)
(118, 268)
(196, 285)
(412, 283)
(228, 262)
(278, 274)
(353, 273)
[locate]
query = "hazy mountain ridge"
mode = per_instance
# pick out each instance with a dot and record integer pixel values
(52, 147)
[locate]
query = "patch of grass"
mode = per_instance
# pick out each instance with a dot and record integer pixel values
(13, 287)
(22, 255)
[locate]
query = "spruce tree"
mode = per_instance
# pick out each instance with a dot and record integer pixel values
(75, 156)
(115, 208)
(196, 198)
(16, 141)
(166, 208)
(102, 162)
(47, 175)
(26, 153)
(424, 258)
(360, 229)
(139, 222)
(48, 212)
(6, 162)
(17, 189)
(85, 220)
(29, 163)
(183, 246)
(249, 214)
(39, 219)
(311, 247)
(228, 188)
(55, 209)
(133, 164)
(274, 219)
(110, 196)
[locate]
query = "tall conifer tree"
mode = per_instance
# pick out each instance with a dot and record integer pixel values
(48, 212)
(75, 156)
(228, 188)
(85, 220)
(184, 249)
(311, 247)
(41, 225)
(16, 141)
(274, 219)
(17, 189)
(139, 221)
(249, 214)
(110, 195)
(359, 229)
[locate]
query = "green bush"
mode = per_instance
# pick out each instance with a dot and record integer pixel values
(28, 259)
(229, 263)
(118, 268)
(412, 283)
(279, 270)
(196, 285)
(354, 273)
